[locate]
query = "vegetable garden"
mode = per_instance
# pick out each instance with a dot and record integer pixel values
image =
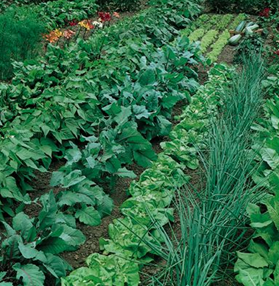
(138, 142)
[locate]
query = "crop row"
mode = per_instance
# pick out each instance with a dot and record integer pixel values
(213, 32)
(260, 264)
(96, 104)
(127, 249)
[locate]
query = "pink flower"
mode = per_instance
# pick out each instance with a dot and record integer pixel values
(68, 34)
(116, 15)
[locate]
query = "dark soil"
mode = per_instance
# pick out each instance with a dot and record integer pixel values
(227, 55)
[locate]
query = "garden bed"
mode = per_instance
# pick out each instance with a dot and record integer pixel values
(115, 143)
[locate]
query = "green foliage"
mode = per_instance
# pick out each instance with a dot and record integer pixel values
(36, 106)
(110, 95)
(260, 265)
(237, 20)
(213, 221)
(267, 173)
(248, 44)
(59, 12)
(119, 5)
(247, 6)
(196, 35)
(148, 208)
(30, 247)
(218, 46)
(208, 39)
(55, 13)
(21, 33)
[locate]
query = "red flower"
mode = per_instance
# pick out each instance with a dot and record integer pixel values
(265, 12)
(104, 16)
(73, 22)
(276, 52)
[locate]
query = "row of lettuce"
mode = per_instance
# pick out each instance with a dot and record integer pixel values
(213, 32)
(127, 249)
(95, 104)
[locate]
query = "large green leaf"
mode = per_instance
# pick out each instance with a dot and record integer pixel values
(28, 251)
(88, 215)
(22, 223)
(72, 236)
(270, 156)
(54, 245)
(144, 157)
(148, 77)
(31, 274)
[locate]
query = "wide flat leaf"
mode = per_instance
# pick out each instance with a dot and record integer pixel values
(148, 77)
(124, 173)
(140, 111)
(252, 259)
(54, 245)
(31, 274)
(164, 125)
(144, 157)
(88, 215)
(22, 222)
(73, 178)
(270, 156)
(72, 236)
(54, 264)
(28, 251)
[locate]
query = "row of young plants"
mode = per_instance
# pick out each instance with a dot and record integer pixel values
(135, 238)
(213, 32)
(259, 266)
(37, 104)
(96, 104)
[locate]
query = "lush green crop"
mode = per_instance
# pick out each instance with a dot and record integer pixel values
(152, 194)
(20, 38)
(30, 246)
(207, 39)
(196, 35)
(237, 20)
(95, 104)
(224, 22)
(218, 46)
(61, 114)
(260, 265)
(110, 96)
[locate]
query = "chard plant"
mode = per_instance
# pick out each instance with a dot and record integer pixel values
(30, 247)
